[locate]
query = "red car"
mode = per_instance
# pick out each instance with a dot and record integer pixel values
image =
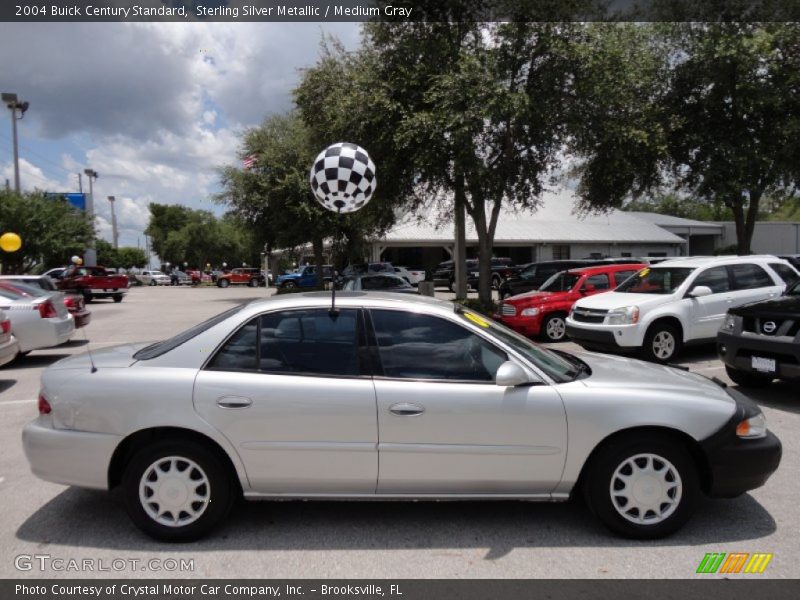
(73, 302)
(543, 312)
(93, 282)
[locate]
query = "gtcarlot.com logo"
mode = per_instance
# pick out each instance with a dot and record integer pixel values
(733, 563)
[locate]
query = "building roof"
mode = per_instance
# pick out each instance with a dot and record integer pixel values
(556, 221)
(678, 224)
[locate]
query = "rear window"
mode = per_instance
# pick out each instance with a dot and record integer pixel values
(159, 348)
(748, 276)
(785, 272)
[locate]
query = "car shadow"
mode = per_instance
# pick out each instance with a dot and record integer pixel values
(500, 526)
(75, 343)
(6, 384)
(780, 395)
(36, 361)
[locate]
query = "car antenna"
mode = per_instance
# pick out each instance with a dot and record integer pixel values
(333, 312)
(93, 369)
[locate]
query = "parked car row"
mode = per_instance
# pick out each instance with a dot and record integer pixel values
(747, 304)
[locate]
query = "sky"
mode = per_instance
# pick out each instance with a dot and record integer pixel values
(154, 108)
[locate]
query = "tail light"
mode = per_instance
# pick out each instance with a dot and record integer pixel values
(44, 405)
(6, 325)
(69, 302)
(47, 310)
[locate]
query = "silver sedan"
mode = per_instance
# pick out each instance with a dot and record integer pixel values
(388, 397)
(38, 318)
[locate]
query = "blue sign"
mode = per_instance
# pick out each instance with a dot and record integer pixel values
(75, 199)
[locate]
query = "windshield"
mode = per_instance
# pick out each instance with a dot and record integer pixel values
(559, 368)
(560, 282)
(159, 348)
(656, 280)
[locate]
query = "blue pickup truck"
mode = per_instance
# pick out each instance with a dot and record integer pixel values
(305, 277)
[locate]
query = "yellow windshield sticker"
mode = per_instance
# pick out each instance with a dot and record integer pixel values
(643, 273)
(479, 321)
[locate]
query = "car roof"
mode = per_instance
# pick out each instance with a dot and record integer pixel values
(702, 261)
(353, 299)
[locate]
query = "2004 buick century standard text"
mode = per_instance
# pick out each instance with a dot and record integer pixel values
(388, 397)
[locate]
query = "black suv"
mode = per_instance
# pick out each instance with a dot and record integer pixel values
(501, 268)
(760, 342)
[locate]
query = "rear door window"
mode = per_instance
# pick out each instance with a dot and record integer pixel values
(599, 281)
(748, 276)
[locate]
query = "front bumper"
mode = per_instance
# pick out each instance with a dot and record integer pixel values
(737, 351)
(69, 457)
(528, 326)
(737, 465)
(611, 338)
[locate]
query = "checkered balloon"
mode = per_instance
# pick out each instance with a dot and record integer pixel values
(343, 177)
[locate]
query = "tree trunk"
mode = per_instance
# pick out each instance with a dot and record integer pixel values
(750, 222)
(460, 250)
(319, 260)
(484, 255)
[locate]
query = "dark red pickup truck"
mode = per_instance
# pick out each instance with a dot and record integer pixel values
(94, 282)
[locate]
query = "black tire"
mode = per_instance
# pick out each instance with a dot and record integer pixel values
(621, 453)
(221, 489)
(87, 296)
(289, 285)
(253, 283)
(117, 298)
(223, 283)
(554, 328)
(748, 379)
(153, 282)
(662, 343)
(496, 281)
(452, 285)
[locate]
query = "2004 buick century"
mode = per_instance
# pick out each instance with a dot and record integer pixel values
(388, 397)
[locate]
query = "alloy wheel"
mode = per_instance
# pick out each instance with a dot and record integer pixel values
(174, 491)
(646, 489)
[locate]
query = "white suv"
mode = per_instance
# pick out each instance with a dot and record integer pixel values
(673, 303)
(153, 278)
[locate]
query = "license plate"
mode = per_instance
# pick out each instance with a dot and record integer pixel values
(763, 364)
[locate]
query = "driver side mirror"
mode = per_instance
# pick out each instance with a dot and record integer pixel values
(510, 374)
(700, 290)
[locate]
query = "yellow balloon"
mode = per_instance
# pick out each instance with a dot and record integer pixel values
(10, 242)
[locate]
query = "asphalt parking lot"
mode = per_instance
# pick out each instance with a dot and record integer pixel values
(365, 539)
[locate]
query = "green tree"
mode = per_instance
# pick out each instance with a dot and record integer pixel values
(107, 255)
(51, 229)
(712, 110)
(129, 257)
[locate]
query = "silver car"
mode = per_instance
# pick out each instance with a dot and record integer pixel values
(388, 396)
(38, 318)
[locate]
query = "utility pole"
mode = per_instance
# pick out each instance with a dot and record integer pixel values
(80, 182)
(90, 256)
(114, 231)
(15, 105)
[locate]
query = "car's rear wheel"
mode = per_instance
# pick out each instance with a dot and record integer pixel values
(177, 491)
(748, 379)
(290, 285)
(554, 328)
(153, 282)
(117, 298)
(496, 281)
(223, 283)
(643, 487)
(662, 343)
(253, 283)
(87, 296)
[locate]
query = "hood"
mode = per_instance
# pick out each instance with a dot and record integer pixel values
(785, 306)
(114, 357)
(536, 297)
(617, 372)
(612, 300)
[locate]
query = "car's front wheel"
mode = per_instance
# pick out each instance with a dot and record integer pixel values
(554, 328)
(643, 487)
(118, 298)
(290, 285)
(253, 282)
(177, 491)
(662, 343)
(153, 282)
(747, 379)
(223, 283)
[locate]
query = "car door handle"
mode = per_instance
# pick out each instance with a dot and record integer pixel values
(233, 402)
(406, 409)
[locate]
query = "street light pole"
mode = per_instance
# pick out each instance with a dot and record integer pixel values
(15, 105)
(90, 256)
(114, 231)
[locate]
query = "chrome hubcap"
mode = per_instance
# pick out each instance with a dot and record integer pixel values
(663, 344)
(556, 328)
(174, 491)
(646, 489)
